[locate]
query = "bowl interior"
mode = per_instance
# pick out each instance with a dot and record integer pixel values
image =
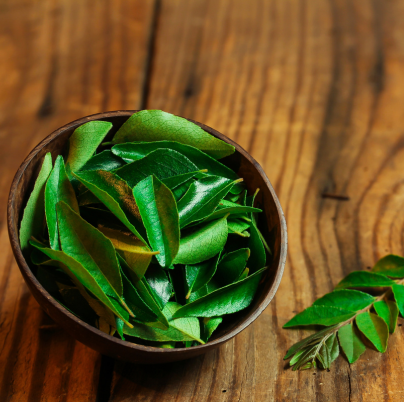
(271, 223)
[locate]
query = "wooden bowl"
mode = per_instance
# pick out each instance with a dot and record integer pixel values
(273, 227)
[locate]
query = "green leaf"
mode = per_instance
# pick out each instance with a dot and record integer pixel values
(388, 310)
(105, 160)
(244, 274)
(137, 150)
(226, 300)
(332, 345)
(97, 284)
(181, 329)
(359, 279)
(117, 196)
(320, 315)
(58, 188)
(391, 265)
(89, 247)
(159, 213)
(145, 293)
(174, 182)
(398, 291)
(350, 343)
(162, 163)
(239, 227)
(156, 125)
(314, 338)
(202, 198)
(375, 329)
(198, 275)
(351, 300)
(231, 266)
(159, 284)
(84, 141)
(34, 212)
(227, 207)
(202, 243)
(119, 324)
(209, 325)
(181, 190)
(136, 253)
(258, 257)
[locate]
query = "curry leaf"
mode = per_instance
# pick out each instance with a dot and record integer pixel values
(350, 342)
(227, 207)
(162, 163)
(156, 125)
(226, 300)
(258, 256)
(351, 300)
(84, 141)
(375, 329)
(34, 212)
(391, 265)
(320, 315)
(105, 160)
(159, 213)
(159, 284)
(202, 198)
(232, 266)
(239, 227)
(208, 326)
(388, 310)
(202, 242)
(117, 196)
(358, 279)
(398, 291)
(58, 188)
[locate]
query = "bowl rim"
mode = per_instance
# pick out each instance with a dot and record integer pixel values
(24, 268)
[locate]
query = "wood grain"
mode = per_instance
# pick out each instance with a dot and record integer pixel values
(60, 60)
(312, 88)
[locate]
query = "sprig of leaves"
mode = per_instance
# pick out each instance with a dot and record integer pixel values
(353, 318)
(154, 240)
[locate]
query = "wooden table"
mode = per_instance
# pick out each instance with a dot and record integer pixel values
(313, 89)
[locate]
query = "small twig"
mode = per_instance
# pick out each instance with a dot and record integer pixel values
(335, 196)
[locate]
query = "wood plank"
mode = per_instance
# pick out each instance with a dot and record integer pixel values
(313, 90)
(61, 60)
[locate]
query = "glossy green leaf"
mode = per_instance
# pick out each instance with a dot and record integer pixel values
(198, 275)
(158, 210)
(159, 284)
(332, 345)
(89, 247)
(34, 212)
(208, 326)
(202, 243)
(58, 188)
(350, 342)
(136, 253)
(244, 274)
(202, 198)
(162, 163)
(227, 207)
(320, 315)
(105, 160)
(375, 329)
(137, 150)
(359, 279)
(181, 329)
(117, 196)
(232, 266)
(84, 141)
(175, 181)
(226, 300)
(351, 300)
(239, 227)
(145, 293)
(388, 310)
(398, 291)
(210, 287)
(181, 190)
(156, 125)
(95, 282)
(391, 265)
(258, 257)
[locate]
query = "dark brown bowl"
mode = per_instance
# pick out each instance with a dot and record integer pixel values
(273, 227)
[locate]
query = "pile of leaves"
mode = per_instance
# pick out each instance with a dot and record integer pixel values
(148, 236)
(358, 319)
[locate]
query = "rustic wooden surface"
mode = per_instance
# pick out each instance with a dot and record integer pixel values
(314, 89)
